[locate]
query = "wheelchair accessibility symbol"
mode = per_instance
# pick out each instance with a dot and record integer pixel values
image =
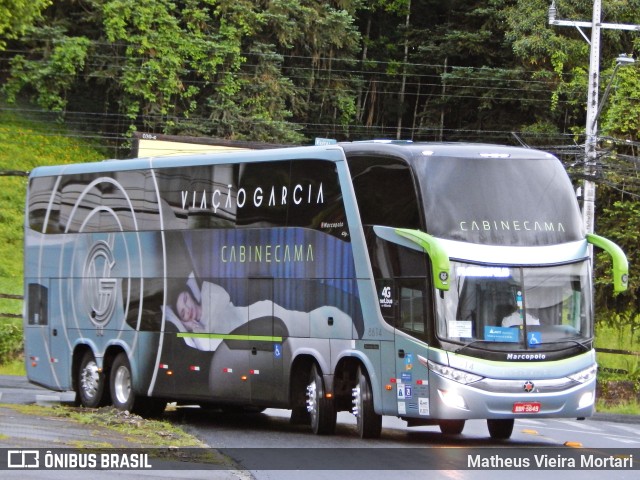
(277, 350)
(534, 338)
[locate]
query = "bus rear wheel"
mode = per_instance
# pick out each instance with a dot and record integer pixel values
(369, 422)
(500, 429)
(90, 382)
(321, 409)
(121, 392)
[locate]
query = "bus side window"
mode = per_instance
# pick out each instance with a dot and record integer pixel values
(412, 317)
(38, 304)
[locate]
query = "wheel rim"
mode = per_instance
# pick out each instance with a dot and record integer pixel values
(90, 380)
(356, 394)
(312, 399)
(122, 385)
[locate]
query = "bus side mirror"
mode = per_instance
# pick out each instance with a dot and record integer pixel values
(618, 258)
(440, 265)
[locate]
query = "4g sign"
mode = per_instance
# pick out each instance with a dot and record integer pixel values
(386, 298)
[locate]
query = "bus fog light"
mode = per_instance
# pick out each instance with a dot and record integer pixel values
(586, 400)
(452, 399)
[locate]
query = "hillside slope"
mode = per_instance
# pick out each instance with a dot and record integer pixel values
(23, 146)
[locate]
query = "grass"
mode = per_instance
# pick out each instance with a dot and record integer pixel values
(618, 339)
(14, 367)
(108, 425)
(631, 407)
(25, 145)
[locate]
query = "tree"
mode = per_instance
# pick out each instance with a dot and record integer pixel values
(214, 67)
(17, 15)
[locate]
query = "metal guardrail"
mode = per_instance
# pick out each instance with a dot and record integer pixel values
(618, 352)
(11, 297)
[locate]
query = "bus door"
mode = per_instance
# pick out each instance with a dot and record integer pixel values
(410, 321)
(58, 348)
(229, 378)
(266, 331)
(37, 333)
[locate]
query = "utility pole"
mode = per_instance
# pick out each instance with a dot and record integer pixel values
(589, 194)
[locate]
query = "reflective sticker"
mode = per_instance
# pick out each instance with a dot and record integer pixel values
(194, 368)
(408, 361)
(227, 370)
(254, 372)
(423, 406)
(404, 391)
(164, 366)
(408, 389)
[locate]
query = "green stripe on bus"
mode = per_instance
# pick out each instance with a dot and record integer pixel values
(259, 338)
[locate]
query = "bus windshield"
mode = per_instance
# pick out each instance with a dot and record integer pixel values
(505, 308)
(496, 201)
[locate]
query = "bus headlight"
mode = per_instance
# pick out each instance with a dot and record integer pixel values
(454, 374)
(585, 375)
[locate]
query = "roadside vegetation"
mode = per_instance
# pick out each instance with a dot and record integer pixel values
(24, 145)
(129, 427)
(110, 428)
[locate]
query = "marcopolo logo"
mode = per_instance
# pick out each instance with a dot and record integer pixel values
(100, 290)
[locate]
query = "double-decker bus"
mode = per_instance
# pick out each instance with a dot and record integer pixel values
(432, 282)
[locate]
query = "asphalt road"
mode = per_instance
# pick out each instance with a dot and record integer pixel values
(20, 431)
(398, 446)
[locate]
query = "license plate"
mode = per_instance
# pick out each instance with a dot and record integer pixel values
(526, 407)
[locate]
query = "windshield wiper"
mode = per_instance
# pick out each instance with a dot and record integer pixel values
(581, 345)
(473, 342)
(467, 345)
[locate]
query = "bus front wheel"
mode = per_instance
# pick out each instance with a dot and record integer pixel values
(321, 409)
(500, 429)
(369, 422)
(451, 427)
(90, 382)
(121, 392)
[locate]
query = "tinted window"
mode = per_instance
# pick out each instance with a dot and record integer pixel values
(299, 193)
(120, 201)
(499, 201)
(385, 191)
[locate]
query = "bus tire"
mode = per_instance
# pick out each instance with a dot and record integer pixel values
(451, 427)
(500, 429)
(90, 382)
(321, 410)
(121, 385)
(368, 421)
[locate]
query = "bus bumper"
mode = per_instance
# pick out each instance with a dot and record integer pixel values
(502, 399)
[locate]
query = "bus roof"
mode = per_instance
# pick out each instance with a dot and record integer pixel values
(443, 149)
(328, 152)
